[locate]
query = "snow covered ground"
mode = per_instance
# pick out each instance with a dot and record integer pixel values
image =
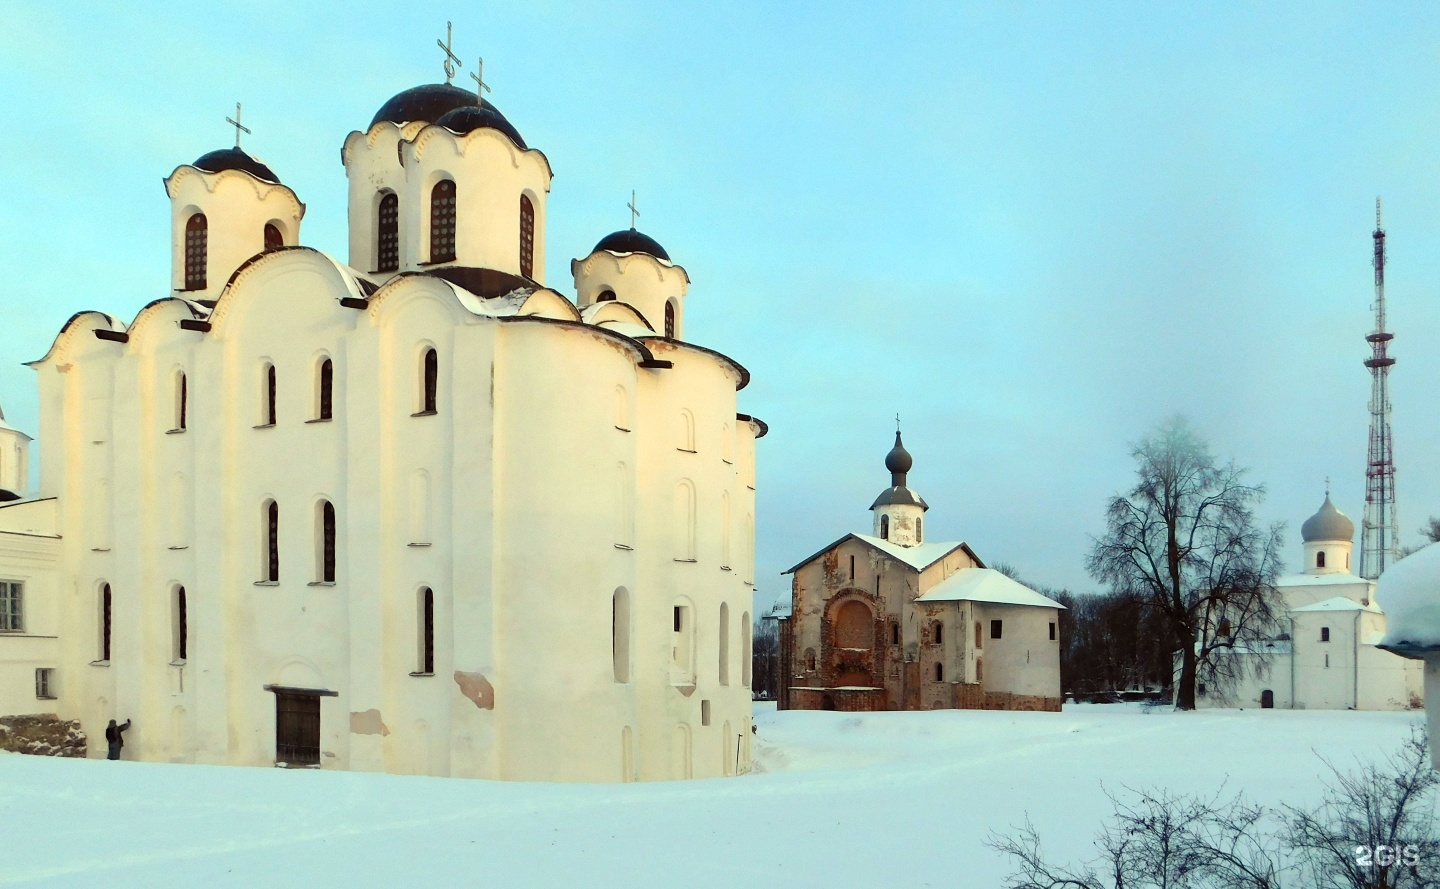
(884, 799)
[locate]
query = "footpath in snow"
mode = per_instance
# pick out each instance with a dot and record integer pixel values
(838, 799)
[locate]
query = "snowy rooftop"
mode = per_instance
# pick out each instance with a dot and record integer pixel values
(1339, 603)
(985, 585)
(917, 557)
(1341, 578)
(1410, 590)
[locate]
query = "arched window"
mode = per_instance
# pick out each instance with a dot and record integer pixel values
(105, 603)
(180, 394)
(625, 512)
(939, 672)
(527, 237)
(429, 381)
(420, 507)
(919, 537)
(270, 543)
(387, 234)
(725, 530)
(894, 633)
(724, 643)
(273, 239)
(196, 240)
(1320, 559)
(747, 656)
(977, 634)
(684, 528)
(884, 527)
(670, 320)
(442, 221)
(979, 670)
(620, 634)
(682, 647)
(267, 410)
(182, 631)
(687, 432)
(605, 296)
(939, 633)
(427, 631)
(810, 659)
(325, 516)
(325, 390)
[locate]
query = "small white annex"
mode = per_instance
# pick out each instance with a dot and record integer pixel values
(413, 512)
(1328, 654)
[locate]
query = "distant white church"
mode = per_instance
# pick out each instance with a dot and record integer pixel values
(1328, 655)
(416, 512)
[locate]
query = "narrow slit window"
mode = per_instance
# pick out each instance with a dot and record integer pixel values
(105, 615)
(430, 381)
(427, 630)
(182, 628)
(326, 382)
(939, 633)
(272, 541)
(884, 527)
(327, 542)
(527, 237)
(670, 321)
(269, 416)
(181, 396)
(387, 234)
(939, 672)
(196, 250)
(442, 221)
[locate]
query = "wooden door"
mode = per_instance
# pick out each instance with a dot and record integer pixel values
(297, 729)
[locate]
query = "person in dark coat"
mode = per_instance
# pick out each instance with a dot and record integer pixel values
(114, 734)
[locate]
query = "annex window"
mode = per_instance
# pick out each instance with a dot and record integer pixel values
(1052, 631)
(939, 633)
(605, 296)
(429, 381)
(387, 233)
(527, 237)
(919, 529)
(181, 396)
(1225, 628)
(810, 659)
(995, 627)
(894, 633)
(884, 527)
(979, 669)
(978, 641)
(852, 567)
(180, 627)
(939, 672)
(270, 542)
(267, 403)
(105, 614)
(1320, 559)
(427, 631)
(620, 634)
(45, 683)
(11, 613)
(670, 320)
(1324, 634)
(273, 239)
(325, 390)
(325, 528)
(442, 221)
(196, 240)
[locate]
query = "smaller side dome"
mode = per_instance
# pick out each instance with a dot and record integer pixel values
(1328, 523)
(234, 159)
(469, 118)
(632, 241)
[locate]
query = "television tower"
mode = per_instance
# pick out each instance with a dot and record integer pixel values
(1379, 544)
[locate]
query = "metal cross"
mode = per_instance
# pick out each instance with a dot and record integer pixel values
(633, 211)
(1327, 486)
(897, 422)
(481, 87)
(237, 125)
(451, 60)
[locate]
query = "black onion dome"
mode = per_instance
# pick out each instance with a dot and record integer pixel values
(235, 159)
(630, 241)
(468, 118)
(428, 102)
(899, 460)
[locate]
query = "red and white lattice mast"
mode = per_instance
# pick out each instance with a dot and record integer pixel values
(1379, 537)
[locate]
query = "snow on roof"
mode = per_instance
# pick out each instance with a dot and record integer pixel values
(918, 557)
(1339, 603)
(1410, 590)
(779, 611)
(1339, 578)
(985, 585)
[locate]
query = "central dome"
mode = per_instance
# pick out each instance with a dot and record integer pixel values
(1327, 524)
(630, 241)
(427, 102)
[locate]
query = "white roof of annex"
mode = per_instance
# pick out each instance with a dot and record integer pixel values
(1339, 603)
(1341, 578)
(985, 585)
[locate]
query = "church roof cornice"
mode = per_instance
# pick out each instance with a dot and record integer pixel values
(88, 319)
(943, 549)
(623, 261)
(664, 344)
(213, 181)
(462, 143)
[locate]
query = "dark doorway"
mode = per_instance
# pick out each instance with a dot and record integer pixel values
(297, 729)
(1267, 700)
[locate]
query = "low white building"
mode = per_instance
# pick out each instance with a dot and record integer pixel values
(891, 621)
(415, 512)
(1328, 657)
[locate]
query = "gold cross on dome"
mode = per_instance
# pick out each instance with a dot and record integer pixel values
(451, 60)
(633, 211)
(481, 87)
(237, 125)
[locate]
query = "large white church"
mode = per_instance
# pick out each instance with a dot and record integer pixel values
(413, 512)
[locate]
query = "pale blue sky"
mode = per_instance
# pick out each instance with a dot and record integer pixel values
(1032, 230)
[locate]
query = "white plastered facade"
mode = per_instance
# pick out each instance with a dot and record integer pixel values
(579, 501)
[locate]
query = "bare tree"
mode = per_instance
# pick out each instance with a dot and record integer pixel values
(765, 659)
(1184, 542)
(1374, 828)
(1431, 531)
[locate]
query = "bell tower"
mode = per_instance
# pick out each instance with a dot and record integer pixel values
(899, 511)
